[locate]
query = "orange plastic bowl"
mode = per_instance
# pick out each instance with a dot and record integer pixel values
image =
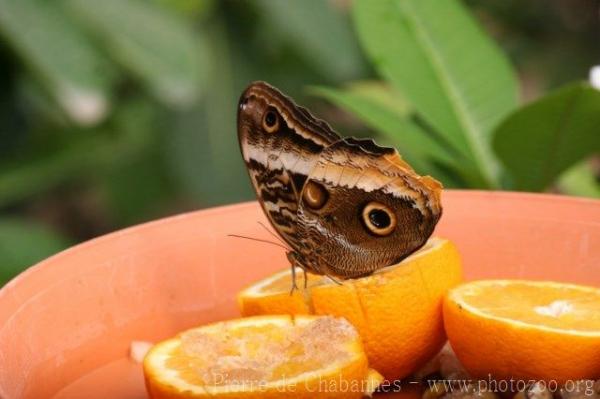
(67, 323)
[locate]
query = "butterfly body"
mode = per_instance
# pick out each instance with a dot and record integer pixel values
(346, 207)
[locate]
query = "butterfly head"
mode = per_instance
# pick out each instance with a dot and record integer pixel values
(260, 110)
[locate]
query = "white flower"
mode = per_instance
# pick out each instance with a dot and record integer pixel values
(595, 77)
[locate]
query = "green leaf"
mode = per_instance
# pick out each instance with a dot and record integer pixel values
(382, 94)
(156, 46)
(62, 58)
(445, 65)
(541, 140)
(390, 119)
(24, 243)
(580, 180)
(321, 33)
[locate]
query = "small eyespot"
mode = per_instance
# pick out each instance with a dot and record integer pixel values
(379, 219)
(271, 121)
(314, 195)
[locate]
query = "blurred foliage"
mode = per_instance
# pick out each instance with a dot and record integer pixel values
(16, 237)
(120, 111)
(462, 96)
(459, 85)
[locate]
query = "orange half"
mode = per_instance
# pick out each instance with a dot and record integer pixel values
(525, 329)
(262, 357)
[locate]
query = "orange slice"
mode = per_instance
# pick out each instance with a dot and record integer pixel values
(262, 357)
(525, 329)
(397, 311)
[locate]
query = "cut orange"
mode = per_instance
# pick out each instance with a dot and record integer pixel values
(525, 329)
(397, 311)
(262, 357)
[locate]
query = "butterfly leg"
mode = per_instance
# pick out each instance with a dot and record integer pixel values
(293, 258)
(305, 278)
(294, 285)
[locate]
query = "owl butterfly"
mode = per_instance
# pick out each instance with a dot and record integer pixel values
(345, 206)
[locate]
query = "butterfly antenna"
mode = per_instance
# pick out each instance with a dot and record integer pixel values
(259, 240)
(338, 282)
(272, 234)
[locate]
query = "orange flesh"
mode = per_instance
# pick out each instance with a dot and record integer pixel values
(259, 353)
(562, 307)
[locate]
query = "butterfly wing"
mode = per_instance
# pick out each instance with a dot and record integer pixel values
(280, 143)
(376, 211)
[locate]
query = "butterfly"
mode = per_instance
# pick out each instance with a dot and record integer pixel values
(346, 207)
